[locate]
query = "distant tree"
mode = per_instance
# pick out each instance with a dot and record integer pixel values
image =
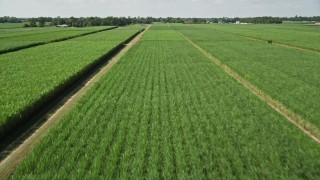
(123, 21)
(42, 21)
(32, 22)
(7, 19)
(262, 20)
(72, 21)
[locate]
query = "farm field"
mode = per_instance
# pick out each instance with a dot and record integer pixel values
(41, 72)
(11, 25)
(166, 111)
(292, 34)
(287, 75)
(5, 33)
(11, 39)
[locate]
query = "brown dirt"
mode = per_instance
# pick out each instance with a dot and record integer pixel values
(298, 121)
(10, 163)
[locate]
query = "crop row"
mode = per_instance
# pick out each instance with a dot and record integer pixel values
(10, 25)
(30, 77)
(295, 35)
(287, 75)
(18, 39)
(5, 33)
(165, 111)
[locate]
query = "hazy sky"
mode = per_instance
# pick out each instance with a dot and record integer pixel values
(159, 8)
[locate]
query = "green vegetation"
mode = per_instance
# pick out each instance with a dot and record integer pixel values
(288, 75)
(298, 22)
(296, 35)
(10, 25)
(13, 39)
(32, 76)
(165, 111)
(5, 33)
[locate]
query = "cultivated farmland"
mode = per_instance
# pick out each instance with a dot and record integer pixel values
(288, 75)
(30, 77)
(292, 34)
(23, 38)
(166, 111)
(10, 25)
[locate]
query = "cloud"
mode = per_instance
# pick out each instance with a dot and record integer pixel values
(219, 1)
(157, 8)
(209, 1)
(291, 5)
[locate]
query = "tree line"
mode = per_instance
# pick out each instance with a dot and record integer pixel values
(122, 21)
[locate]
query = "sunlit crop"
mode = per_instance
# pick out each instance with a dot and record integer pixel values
(166, 111)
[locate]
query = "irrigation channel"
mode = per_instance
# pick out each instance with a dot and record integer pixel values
(18, 144)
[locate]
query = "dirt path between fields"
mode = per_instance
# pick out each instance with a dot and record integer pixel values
(302, 124)
(261, 40)
(10, 163)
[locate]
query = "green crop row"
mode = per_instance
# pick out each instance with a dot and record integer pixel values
(5, 33)
(165, 111)
(32, 76)
(10, 25)
(287, 75)
(21, 39)
(296, 35)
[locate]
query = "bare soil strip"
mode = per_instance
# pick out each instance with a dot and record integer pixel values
(262, 40)
(10, 163)
(298, 121)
